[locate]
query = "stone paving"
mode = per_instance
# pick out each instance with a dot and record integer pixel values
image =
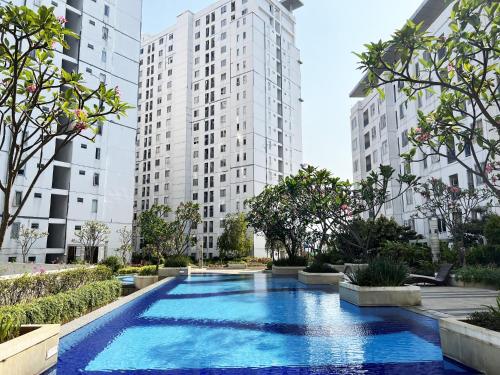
(456, 301)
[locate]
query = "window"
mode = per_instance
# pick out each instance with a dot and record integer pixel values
(38, 195)
(382, 122)
(14, 232)
(94, 205)
(105, 33)
(368, 162)
(367, 140)
(18, 197)
(404, 138)
(96, 179)
(104, 56)
(98, 153)
(106, 10)
(79, 200)
(366, 118)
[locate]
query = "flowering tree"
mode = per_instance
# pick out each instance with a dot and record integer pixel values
(125, 249)
(462, 67)
(92, 235)
(27, 238)
(453, 205)
(40, 102)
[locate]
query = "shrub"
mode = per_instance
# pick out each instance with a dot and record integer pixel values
(487, 319)
(262, 260)
(480, 274)
(332, 257)
(269, 265)
(148, 271)
(129, 270)
(380, 272)
(317, 267)
(483, 255)
(492, 230)
(59, 308)
(287, 262)
(177, 261)
(31, 286)
(113, 263)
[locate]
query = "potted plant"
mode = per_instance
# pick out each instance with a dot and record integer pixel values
(174, 266)
(147, 276)
(474, 342)
(320, 273)
(381, 283)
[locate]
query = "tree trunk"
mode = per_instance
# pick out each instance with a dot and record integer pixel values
(4, 224)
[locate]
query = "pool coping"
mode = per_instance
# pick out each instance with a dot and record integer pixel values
(82, 321)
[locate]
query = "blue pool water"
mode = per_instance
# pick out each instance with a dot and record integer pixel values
(253, 324)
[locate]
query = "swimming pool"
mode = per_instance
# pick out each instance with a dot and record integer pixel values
(253, 324)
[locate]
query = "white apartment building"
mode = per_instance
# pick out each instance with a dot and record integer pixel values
(379, 134)
(88, 180)
(219, 111)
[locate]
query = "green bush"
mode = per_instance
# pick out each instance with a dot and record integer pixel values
(492, 230)
(381, 272)
(317, 267)
(148, 271)
(417, 257)
(177, 261)
(269, 265)
(332, 257)
(31, 286)
(287, 262)
(483, 255)
(480, 274)
(113, 263)
(59, 308)
(448, 255)
(129, 270)
(487, 319)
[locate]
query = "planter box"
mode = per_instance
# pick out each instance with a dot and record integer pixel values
(287, 271)
(144, 281)
(320, 278)
(173, 271)
(31, 353)
(237, 266)
(380, 296)
(471, 345)
(470, 284)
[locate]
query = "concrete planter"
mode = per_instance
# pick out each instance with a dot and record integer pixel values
(355, 266)
(237, 266)
(473, 346)
(287, 271)
(173, 271)
(320, 278)
(31, 353)
(144, 281)
(380, 296)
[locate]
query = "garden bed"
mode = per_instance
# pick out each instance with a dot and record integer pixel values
(471, 345)
(141, 282)
(237, 266)
(380, 295)
(32, 352)
(320, 278)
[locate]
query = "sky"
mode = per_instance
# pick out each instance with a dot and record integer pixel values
(327, 33)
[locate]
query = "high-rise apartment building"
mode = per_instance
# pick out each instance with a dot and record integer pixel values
(380, 127)
(219, 111)
(88, 180)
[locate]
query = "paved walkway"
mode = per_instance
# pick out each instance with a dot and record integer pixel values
(456, 301)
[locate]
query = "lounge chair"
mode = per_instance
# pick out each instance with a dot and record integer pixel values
(441, 279)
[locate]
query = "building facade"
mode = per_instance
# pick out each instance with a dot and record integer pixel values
(88, 180)
(219, 111)
(379, 135)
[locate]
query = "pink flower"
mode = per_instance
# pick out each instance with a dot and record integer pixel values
(488, 168)
(42, 270)
(451, 68)
(454, 189)
(53, 44)
(62, 20)
(80, 125)
(117, 91)
(31, 88)
(80, 113)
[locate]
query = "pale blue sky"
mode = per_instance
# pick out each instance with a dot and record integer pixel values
(327, 33)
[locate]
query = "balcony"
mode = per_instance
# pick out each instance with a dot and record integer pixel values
(57, 236)
(58, 206)
(61, 178)
(65, 152)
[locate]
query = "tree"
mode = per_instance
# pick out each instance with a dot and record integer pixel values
(453, 205)
(155, 230)
(27, 238)
(40, 102)
(187, 218)
(234, 242)
(125, 249)
(462, 67)
(93, 235)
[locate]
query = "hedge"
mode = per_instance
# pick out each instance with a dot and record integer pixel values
(31, 286)
(57, 309)
(132, 270)
(480, 274)
(177, 261)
